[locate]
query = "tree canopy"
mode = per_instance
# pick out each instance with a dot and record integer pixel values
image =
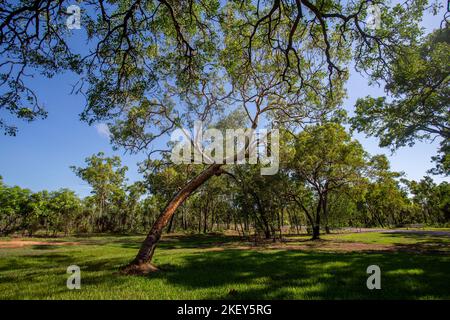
(417, 105)
(152, 65)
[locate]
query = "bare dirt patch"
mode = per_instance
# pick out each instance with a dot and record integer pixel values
(320, 245)
(23, 243)
(325, 245)
(334, 246)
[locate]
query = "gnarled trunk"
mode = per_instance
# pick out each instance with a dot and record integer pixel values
(142, 261)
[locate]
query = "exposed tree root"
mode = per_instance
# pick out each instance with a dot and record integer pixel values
(138, 269)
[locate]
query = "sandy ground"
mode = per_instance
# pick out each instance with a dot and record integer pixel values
(316, 246)
(19, 243)
(321, 245)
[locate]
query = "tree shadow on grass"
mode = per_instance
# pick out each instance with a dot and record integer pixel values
(419, 235)
(185, 241)
(235, 273)
(424, 242)
(18, 263)
(44, 276)
(290, 275)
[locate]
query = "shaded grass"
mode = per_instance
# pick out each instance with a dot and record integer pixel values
(410, 238)
(190, 271)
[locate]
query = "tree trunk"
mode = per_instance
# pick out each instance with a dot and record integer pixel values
(213, 218)
(316, 226)
(297, 223)
(183, 219)
(315, 232)
(205, 218)
(200, 220)
(142, 262)
(264, 220)
(169, 228)
(325, 209)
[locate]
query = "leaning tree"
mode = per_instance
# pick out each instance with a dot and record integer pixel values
(152, 66)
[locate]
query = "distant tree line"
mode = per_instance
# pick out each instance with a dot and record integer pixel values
(326, 180)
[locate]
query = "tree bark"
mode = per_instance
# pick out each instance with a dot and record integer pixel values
(205, 218)
(325, 213)
(169, 228)
(142, 262)
(315, 233)
(262, 212)
(316, 226)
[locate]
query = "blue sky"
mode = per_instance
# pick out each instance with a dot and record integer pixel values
(40, 155)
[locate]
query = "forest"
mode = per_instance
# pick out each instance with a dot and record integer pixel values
(359, 191)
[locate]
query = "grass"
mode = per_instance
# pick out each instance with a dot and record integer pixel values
(393, 238)
(214, 267)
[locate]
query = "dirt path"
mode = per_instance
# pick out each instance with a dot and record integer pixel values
(337, 245)
(324, 245)
(23, 243)
(321, 245)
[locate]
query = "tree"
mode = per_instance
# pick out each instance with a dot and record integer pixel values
(159, 65)
(259, 199)
(131, 216)
(38, 213)
(325, 159)
(432, 200)
(14, 207)
(383, 202)
(106, 177)
(418, 84)
(343, 206)
(64, 207)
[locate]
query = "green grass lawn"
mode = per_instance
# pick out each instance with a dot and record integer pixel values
(393, 238)
(214, 267)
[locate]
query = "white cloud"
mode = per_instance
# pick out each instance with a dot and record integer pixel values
(103, 130)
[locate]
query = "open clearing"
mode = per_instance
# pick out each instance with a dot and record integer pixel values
(18, 243)
(414, 265)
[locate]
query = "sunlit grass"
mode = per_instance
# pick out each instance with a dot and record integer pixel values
(188, 271)
(390, 238)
